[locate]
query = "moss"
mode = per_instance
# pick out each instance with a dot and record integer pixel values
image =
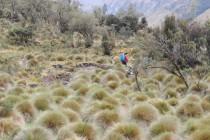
(83, 90)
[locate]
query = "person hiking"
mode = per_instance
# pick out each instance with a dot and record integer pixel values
(124, 61)
(123, 58)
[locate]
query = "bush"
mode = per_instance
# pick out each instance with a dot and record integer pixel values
(21, 36)
(144, 112)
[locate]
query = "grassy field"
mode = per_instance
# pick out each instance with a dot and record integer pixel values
(45, 95)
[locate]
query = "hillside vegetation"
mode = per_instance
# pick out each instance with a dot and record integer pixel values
(61, 78)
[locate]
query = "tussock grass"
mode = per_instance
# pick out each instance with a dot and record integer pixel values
(52, 120)
(129, 131)
(201, 86)
(189, 109)
(71, 115)
(168, 136)
(8, 127)
(171, 93)
(42, 102)
(165, 124)
(203, 134)
(71, 104)
(107, 117)
(206, 103)
(65, 133)
(34, 133)
(26, 108)
(84, 130)
(161, 105)
(60, 91)
(144, 112)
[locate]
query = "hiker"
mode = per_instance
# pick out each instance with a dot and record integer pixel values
(124, 58)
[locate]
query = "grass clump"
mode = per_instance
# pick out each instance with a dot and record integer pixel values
(173, 101)
(60, 91)
(165, 124)
(99, 94)
(34, 133)
(26, 108)
(159, 77)
(83, 90)
(168, 136)
(206, 103)
(65, 133)
(189, 109)
(171, 93)
(71, 104)
(128, 131)
(71, 115)
(107, 117)
(201, 134)
(84, 130)
(161, 105)
(8, 127)
(144, 112)
(16, 91)
(201, 86)
(52, 120)
(42, 102)
(113, 85)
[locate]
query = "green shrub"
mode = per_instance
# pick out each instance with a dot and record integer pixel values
(21, 35)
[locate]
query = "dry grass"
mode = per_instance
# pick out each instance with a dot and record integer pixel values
(52, 120)
(165, 124)
(144, 112)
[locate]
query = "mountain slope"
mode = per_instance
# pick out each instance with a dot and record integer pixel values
(203, 18)
(155, 9)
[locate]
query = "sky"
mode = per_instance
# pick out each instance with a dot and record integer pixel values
(88, 4)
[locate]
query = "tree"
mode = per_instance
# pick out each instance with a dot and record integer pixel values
(170, 26)
(105, 45)
(208, 43)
